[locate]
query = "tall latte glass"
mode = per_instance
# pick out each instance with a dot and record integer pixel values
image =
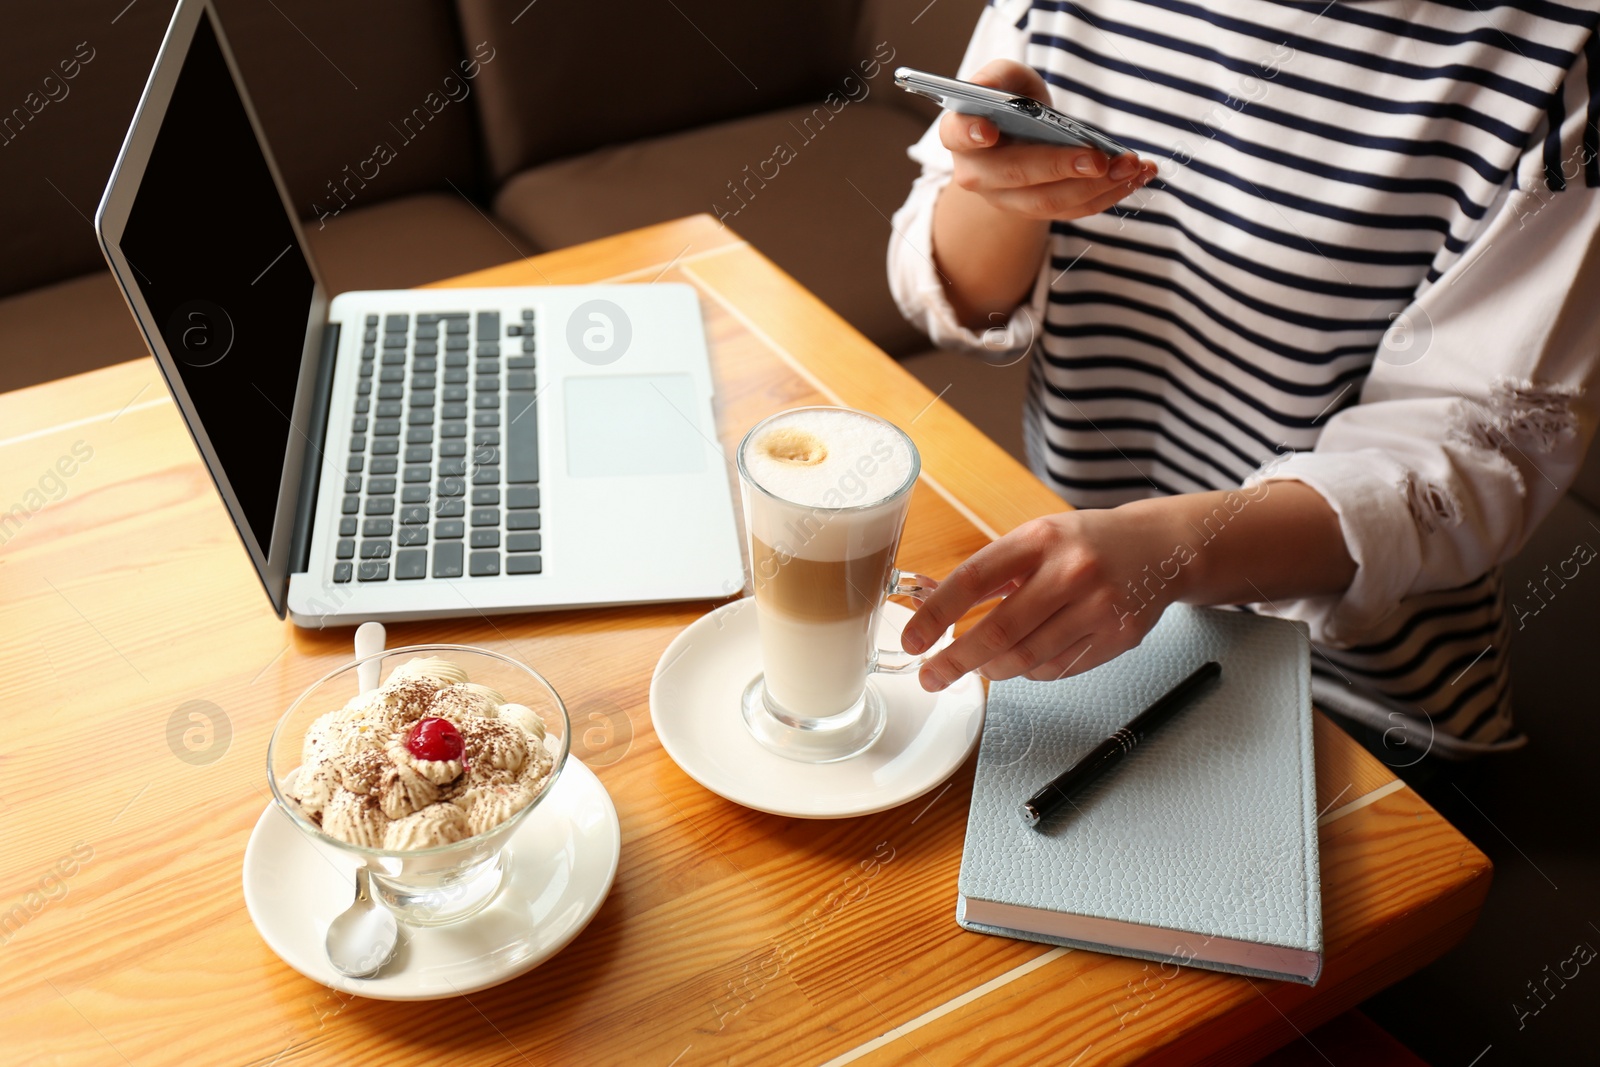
(825, 497)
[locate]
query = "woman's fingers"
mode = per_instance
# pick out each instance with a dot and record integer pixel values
(1011, 620)
(990, 569)
(1062, 631)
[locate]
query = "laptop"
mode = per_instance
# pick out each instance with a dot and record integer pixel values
(407, 454)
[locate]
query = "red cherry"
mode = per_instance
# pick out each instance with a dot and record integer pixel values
(435, 739)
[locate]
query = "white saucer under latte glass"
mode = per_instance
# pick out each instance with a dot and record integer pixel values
(796, 701)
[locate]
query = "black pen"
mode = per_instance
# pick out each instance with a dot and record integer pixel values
(1064, 786)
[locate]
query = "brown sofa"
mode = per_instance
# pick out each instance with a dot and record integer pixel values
(584, 119)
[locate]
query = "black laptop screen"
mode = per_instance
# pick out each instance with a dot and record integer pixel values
(215, 256)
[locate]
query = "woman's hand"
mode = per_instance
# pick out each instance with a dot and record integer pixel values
(1034, 181)
(1070, 606)
(1083, 587)
(990, 224)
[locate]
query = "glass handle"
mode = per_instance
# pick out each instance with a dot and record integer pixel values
(892, 660)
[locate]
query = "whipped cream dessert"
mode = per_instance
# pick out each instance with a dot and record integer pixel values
(427, 759)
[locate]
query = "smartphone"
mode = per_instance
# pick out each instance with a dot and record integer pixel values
(1021, 117)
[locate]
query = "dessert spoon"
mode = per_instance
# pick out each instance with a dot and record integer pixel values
(363, 937)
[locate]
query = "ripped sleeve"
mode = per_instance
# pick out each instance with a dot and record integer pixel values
(1457, 450)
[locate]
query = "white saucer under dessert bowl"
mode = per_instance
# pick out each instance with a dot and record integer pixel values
(695, 704)
(558, 868)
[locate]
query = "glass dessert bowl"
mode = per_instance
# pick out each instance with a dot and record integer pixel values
(424, 777)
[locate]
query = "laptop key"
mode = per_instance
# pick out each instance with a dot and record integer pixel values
(524, 565)
(522, 520)
(384, 464)
(363, 405)
(488, 324)
(452, 448)
(522, 496)
(447, 559)
(418, 474)
(391, 391)
(450, 509)
(485, 497)
(453, 411)
(380, 505)
(456, 343)
(386, 428)
(386, 447)
(375, 549)
(373, 570)
(413, 535)
(527, 344)
(485, 539)
(358, 442)
(352, 483)
(413, 515)
(427, 331)
(486, 366)
(414, 494)
(484, 564)
(486, 418)
(487, 400)
(419, 454)
(421, 397)
(392, 358)
(424, 365)
(486, 476)
(412, 563)
(346, 549)
(486, 437)
(377, 527)
(380, 486)
(419, 435)
(522, 542)
(452, 487)
(522, 379)
(486, 456)
(456, 467)
(449, 528)
(455, 366)
(420, 417)
(522, 438)
(520, 363)
(426, 348)
(390, 409)
(396, 322)
(372, 320)
(452, 429)
(486, 516)
(457, 324)
(341, 572)
(366, 368)
(352, 504)
(488, 384)
(455, 393)
(347, 526)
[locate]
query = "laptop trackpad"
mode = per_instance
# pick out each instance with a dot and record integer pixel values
(634, 425)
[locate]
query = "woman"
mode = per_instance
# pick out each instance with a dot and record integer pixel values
(1322, 348)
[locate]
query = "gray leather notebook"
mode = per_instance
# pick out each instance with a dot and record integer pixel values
(1200, 848)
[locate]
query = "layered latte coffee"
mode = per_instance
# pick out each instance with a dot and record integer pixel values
(826, 492)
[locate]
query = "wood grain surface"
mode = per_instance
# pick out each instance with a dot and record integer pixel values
(729, 937)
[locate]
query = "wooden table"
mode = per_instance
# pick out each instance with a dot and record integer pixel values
(730, 936)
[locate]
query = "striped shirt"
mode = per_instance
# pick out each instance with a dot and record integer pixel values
(1368, 263)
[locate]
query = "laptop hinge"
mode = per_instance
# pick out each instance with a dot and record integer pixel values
(311, 476)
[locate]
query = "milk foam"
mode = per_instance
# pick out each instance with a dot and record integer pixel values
(864, 462)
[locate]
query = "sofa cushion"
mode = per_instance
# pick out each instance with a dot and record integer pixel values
(810, 189)
(576, 75)
(83, 323)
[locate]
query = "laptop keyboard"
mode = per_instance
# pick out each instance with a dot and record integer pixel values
(442, 475)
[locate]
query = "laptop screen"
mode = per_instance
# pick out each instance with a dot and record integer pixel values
(215, 256)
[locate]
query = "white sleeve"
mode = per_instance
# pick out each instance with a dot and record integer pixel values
(914, 281)
(1476, 415)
